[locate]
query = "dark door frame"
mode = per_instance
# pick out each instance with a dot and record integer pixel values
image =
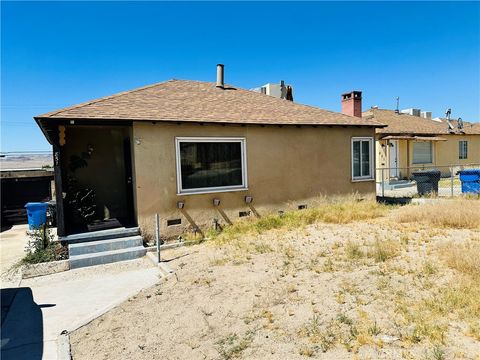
(127, 153)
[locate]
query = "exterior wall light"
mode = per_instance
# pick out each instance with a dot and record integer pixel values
(180, 204)
(248, 199)
(216, 202)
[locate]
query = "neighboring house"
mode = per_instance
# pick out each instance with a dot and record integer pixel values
(199, 152)
(280, 91)
(415, 141)
(20, 186)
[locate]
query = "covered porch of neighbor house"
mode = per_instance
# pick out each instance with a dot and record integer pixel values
(399, 155)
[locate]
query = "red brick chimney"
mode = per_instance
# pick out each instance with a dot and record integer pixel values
(352, 103)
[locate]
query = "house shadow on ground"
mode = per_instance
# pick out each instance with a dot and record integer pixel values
(22, 325)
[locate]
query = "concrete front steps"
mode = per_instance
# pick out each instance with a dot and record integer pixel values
(399, 184)
(103, 247)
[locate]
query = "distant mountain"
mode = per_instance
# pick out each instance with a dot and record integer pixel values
(26, 161)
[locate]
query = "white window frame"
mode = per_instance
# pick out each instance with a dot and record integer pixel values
(432, 153)
(215, 189)
(463, 149)
(371, 157)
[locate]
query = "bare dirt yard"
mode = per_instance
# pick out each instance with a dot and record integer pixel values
(349, 280)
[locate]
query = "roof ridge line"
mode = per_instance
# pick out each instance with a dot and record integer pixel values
(56, 112)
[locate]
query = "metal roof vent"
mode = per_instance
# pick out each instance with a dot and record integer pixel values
(220, 76)
(447, 115)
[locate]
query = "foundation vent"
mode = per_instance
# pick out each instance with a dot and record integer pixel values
(244, 213)
(172, 222)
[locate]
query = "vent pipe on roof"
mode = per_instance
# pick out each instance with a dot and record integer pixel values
(283, 90)
(289, 94)
(460, 124)
(448, 113)
(220, 76)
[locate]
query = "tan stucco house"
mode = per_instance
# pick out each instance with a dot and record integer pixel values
(198, 152)
(410, 142)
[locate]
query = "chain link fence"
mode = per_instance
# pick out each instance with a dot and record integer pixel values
(418, 181)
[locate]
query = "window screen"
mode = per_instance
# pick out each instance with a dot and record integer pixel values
(463, 149)
(422, 152)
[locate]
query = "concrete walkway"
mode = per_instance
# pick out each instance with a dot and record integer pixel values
(41, 308)
(12, 245)
(12, 249)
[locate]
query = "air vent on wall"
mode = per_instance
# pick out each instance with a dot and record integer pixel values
(174, 222)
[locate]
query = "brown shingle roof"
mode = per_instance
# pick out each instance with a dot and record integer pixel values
(408, 124)
(195, 101)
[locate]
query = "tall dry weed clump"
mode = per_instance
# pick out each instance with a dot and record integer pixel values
(459, 213)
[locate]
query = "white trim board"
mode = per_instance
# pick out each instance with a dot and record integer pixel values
(216, 189)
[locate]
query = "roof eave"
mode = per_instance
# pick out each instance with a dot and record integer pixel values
(38, 120)
(199, 121)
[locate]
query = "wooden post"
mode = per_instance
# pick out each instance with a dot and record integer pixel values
(157, 235)
(58, 192)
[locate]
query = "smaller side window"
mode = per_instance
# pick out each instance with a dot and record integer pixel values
(463, 149)
(362, 158)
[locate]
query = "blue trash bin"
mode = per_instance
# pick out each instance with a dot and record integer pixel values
(470, 181)
(36, 214)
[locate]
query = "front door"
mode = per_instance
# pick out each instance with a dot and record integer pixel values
(394, 172)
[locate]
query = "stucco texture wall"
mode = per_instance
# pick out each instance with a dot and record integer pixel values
(287, 164)
(446, 152)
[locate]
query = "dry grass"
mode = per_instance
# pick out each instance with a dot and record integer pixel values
(463, 257)
(351, 333)
(455, 300)
(337, 211)
(280, 288)
(379, 250)
(458, 213)
(463, 294)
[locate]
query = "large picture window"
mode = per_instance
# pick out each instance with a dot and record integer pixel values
(362, 158)
(463, 149)
(210, 164)
(422, 152)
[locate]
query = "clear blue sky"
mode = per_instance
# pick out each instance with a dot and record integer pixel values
(63, 53)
